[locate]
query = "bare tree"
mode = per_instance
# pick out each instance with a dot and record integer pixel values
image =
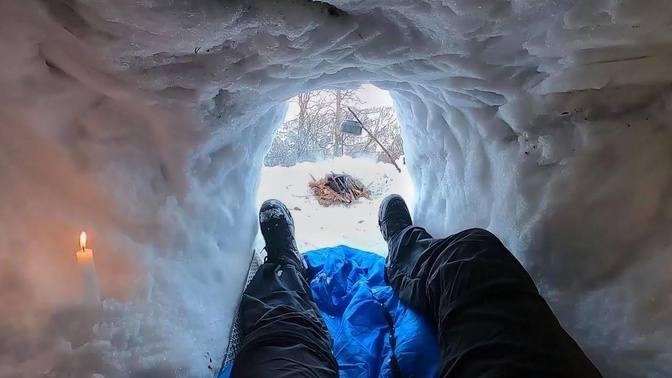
(342, 98)
(382, 123)
(307, 135)
(315, 131)
(302, 127)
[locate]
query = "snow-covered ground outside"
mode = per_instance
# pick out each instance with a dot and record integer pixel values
(355, 225)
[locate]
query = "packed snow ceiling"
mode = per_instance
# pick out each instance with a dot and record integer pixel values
(145, 123)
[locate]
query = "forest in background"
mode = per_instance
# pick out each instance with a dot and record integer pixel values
(314, 133)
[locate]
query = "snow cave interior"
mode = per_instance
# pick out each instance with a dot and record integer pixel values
(146, 122)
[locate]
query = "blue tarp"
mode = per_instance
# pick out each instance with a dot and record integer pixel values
(349, 288)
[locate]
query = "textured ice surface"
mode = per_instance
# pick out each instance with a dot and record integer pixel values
(145, 123)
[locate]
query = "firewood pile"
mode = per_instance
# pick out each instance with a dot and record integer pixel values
(338, 189)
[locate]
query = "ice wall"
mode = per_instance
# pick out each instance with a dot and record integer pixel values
(145, 123)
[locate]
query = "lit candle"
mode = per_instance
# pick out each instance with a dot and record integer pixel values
(88, 269)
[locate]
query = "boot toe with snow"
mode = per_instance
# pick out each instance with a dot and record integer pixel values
(393, 216)
(277, 228)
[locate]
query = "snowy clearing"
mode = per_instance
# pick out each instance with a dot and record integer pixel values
(355, 225)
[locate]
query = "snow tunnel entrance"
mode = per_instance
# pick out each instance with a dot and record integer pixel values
(310, 146)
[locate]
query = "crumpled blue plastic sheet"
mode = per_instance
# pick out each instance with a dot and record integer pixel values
(362, 312)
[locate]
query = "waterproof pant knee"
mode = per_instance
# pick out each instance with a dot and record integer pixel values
(489, 316)
(283, 334)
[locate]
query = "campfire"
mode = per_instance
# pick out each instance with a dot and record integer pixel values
(338, 189)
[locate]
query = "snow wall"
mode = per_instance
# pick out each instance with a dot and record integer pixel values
(145, 123)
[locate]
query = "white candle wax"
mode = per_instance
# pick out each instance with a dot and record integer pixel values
(88, 269)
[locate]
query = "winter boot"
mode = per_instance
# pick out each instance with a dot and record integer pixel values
(393, 216)
(277, 227)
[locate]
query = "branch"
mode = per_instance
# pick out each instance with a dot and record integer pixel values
(377, 141)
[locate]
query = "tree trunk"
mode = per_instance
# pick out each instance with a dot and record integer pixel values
(304, 100)
(338, 145)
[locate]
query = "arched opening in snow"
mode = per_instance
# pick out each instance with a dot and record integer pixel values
(146, 124)
(310, 147)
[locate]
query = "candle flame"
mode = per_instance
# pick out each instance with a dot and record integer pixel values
(82, 240)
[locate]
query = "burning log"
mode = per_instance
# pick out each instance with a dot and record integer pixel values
(338, 189)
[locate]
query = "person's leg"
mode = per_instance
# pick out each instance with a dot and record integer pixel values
(283, 334)
(490, 319)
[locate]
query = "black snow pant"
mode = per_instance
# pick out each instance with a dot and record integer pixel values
(489, 317)
(283, 334)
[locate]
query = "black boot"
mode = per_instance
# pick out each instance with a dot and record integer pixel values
(277, 227)
(393, 216)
